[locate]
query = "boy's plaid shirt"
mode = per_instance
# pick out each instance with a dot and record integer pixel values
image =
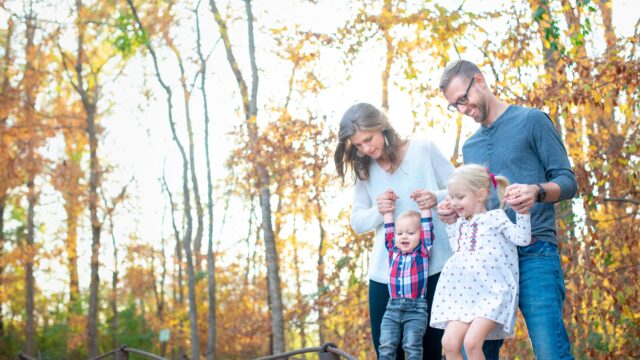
(408, 272)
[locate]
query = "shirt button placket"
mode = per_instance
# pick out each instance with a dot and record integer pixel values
(489, 154)
(487, 160)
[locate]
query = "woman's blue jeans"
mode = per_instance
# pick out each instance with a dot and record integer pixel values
(541, 298)
(404, 319)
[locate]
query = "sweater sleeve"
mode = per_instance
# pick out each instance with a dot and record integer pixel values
(442, 168)
(518, 233)
(552, 154)
(364, 214)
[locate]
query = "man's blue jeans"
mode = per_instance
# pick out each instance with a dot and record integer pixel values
(541, 298)
(406, 318)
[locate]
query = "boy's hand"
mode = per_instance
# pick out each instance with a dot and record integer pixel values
(386, 202)
(424, 198)
(391, 195)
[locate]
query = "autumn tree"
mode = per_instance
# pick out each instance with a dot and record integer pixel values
(262, 176)
(32, 137)
(186, 165)
(87, 67)
(8, 177)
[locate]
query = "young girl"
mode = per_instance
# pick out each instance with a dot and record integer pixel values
(477, 296)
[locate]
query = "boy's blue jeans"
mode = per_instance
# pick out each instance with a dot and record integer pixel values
(407, 319)
(541, 298)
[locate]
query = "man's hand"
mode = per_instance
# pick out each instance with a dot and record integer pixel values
(521, 197)
(446, 213)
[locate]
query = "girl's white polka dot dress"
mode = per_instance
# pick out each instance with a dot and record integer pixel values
(481, 278)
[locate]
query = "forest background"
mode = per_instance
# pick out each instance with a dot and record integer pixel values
(166, 166)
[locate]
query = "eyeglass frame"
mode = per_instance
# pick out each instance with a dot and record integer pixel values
(462, 100)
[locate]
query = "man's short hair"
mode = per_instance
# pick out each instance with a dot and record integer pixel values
(464, 68)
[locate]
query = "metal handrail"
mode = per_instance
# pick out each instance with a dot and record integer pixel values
(330, 351)
(327, 351)
(124, 351)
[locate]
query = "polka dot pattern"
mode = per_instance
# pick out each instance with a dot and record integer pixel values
(481, 278)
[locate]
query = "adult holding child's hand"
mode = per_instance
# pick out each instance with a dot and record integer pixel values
(424, 198)
(446, 212)
(372, 153)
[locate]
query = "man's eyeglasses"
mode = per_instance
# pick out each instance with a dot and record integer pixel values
(464, 99)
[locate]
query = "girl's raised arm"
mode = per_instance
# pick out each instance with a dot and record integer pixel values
(518, 233)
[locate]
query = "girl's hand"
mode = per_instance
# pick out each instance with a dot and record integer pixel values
(446, 213)
(424, 198)
(521, 197)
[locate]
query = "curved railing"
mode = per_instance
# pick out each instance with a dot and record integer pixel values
(327, 351)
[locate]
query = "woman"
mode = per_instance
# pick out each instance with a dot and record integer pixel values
(372, 152)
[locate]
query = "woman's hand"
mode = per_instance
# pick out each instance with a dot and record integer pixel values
(424, 198)
(386, 202)
(446, 213)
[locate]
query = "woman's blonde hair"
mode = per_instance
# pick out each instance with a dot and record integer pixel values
(364, 117)
(475, 177)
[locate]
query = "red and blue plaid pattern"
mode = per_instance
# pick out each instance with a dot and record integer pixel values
(408, 272)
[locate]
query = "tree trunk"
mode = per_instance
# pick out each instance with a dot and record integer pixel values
(609, 31)
(321, 275)
(211, 257)
(186, 93)
(551, 55)
(386, 73)
(72, 253)
(30, 330)
(301, 308)
(273, 273)
(179, 287)
(263, 178)
(31, 169)
(456, 148)
(158, 291)
(3, 194)
(92, 323)
(193, 317)
(113, 301)
(160, 301)
(2, 204)
(89, 95)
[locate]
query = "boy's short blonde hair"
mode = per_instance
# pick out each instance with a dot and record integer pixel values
(411, 214)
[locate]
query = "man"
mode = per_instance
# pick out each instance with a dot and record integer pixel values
(523, 145)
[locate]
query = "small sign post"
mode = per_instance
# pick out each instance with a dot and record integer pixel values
(164, 338)
(164, 335)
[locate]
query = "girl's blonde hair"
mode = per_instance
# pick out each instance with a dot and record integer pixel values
(475, 177)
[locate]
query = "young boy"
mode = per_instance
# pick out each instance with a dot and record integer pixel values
(408, 241)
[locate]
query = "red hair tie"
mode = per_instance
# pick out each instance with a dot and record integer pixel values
(493, 179)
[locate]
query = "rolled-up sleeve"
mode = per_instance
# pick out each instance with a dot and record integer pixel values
(364, 214)
(553, 155)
